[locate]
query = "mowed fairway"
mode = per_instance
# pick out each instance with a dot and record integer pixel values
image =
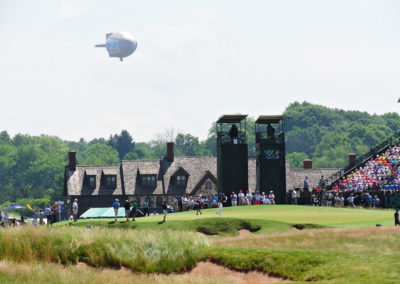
(328, 216)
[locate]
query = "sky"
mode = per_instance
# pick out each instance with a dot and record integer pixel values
(195, 61)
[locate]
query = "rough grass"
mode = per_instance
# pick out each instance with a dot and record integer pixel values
(327, 255)
(145, 251)
(311, 265)
(40, 272)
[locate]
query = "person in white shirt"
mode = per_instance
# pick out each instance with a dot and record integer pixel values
(75, 209)
(262, 197)
(294, 197)
(271, 197)
(234, 199)
(241, 197)
(249, 197)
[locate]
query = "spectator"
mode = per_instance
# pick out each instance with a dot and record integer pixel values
(48, 213)
(234, 199)
(396, 217)
(294, 197)
(249, 197)
(271, 197)
(306, 186)
(41, 217)
(5, 219)
(240, 197)
(146, 207)
(322, 182)
(257, 198)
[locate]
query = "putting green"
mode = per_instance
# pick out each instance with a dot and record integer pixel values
(330, 216)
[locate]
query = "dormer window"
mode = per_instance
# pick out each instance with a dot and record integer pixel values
(181, 180)
(110, 181)
(148, 180)
(91, 181)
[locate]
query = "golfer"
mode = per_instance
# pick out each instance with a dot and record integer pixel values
(127, 207)
(165, 210)
(75, 209)
(116, 206)
(219, 211)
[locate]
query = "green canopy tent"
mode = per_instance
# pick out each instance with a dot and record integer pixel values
(107, 212)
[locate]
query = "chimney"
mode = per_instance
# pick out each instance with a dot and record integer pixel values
(72, 160)
(352, 160)
(170, 151)
(307, 164)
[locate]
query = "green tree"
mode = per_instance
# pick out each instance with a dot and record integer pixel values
(296, 159)
(123, 143)
(187, 145)
(100, 154)
(5, 138)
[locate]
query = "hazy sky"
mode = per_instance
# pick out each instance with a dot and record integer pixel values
(195, 61)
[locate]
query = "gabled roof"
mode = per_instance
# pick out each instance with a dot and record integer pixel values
(207, 175)
(76, 185)
(180, 170)
(131, 170)
(194, 166)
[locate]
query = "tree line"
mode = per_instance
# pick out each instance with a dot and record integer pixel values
(32, 167)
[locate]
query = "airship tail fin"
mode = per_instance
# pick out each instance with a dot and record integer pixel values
(100, 45)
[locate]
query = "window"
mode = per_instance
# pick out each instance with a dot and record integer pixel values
(208, 185)
(110, 181)
(91, 181)
(180, 180)
(149, 180)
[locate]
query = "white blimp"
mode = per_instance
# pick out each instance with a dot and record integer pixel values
(119, 44)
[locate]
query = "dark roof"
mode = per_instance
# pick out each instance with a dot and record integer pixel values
(91, 172)
(196, 167)
(76, 185)
(132, 169)
(264, 119)
(231, 118)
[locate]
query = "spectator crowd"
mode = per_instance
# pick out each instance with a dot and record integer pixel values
(366, 186)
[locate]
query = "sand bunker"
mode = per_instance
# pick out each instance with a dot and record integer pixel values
(230, 276)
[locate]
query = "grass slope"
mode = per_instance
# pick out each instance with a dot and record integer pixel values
(358, 252)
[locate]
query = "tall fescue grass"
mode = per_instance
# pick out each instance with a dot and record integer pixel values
(40, 272)
(145, 251)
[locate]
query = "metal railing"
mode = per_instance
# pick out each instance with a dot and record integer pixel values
(224, 138)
